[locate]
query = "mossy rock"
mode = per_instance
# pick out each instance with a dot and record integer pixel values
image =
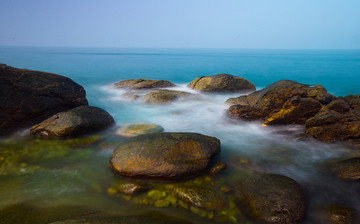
(165, 96)
(336, 214)
(217, 168)
(202, 197)
(347, 169)
(143, 84)
(271, 198)
(132, 188)
(132, 130)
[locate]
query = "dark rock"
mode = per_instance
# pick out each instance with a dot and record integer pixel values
(143, 84)
(283, 102)
(28, 97)
(201, 197)
(164, 96)
(217, 168)
(337, 121)
(348, 169)
(132, 188)
(221, 83)
(336, 215)
(271, 198)
(164, 155)
(75, 122)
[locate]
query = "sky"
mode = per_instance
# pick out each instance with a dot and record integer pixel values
(249, 24)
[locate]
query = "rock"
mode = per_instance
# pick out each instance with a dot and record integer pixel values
(348, 169)
(201, 197)
(143, 84)
(28, 97)
(217, 168)
(164, 155)
(132, 188)
(164, 96)
(271, 198)
(221, 83)
(283, 102)
(74, 122)
(336, 215)
(132, 130)
(337, 121)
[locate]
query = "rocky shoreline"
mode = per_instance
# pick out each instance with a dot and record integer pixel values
(187, 163)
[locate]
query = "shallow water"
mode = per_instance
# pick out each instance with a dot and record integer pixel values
(66, 179)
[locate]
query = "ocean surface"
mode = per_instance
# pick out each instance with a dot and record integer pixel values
(80, 177)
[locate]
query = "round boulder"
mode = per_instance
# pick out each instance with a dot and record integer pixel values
(348, 169)
(164, 155)
(271, 198)
(143, 84)
(74, 122)
(164, 96)
(221, 83)
(133, 130)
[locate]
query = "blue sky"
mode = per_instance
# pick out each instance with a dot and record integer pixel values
(274, 24)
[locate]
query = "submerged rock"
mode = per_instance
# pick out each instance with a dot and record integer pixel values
(283, 102)
(271, 198)
(75, 122)
(337, 121)
(133, 130)
(348, 169)
(143, 84)
(336, 215)
(132, 188)
(29, 96)
(221, 83)
(164, 155)
(217, 168)
(164, 96)
(202, 197)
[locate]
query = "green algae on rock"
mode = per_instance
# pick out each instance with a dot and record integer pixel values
(217, 168)
(166, 155)
(75, 122)
(132, 188)
(221, 83)
(132, 130)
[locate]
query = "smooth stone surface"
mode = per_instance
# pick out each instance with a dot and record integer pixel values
(337, 121)
(164, 96)
(143, 84)
(133, 130)
(132, 188)
(348, 169)
(217, 168)
(271, 198)
(75, 122)
(28, 97)
(164, 155)
(221, 83)
(201, 197)
(283, 102)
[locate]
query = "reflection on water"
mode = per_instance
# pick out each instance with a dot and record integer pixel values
(43, 181)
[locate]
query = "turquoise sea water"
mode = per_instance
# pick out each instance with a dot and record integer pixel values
(80, 177)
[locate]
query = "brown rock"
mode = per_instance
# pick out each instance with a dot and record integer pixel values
(164, 155)
(132, 188)
(217, 168)
(164, 96)
(221, 83)
(348, 169)
(143, 84)
(28, 97)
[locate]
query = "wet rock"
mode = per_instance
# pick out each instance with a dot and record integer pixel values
(75, 122)
(143, 84)
(132, 188)
(132, 130)
(283, 102)
(336, 215)
(201, 197)
(217, 168)
(348, 169)
(337, 121)
(164, 96)
(221, 83)
(271, 198)
(28, 97)
(164, 155)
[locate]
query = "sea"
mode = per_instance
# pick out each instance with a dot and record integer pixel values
(63, 180)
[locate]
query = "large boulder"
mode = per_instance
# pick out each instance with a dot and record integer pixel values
(337, 121)
(271, 198)
(221, 83)
(75, 122)
(164, 155)
(143, 84)
(133, 130)
(283, 102)
(28, 97)
(164, 96)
